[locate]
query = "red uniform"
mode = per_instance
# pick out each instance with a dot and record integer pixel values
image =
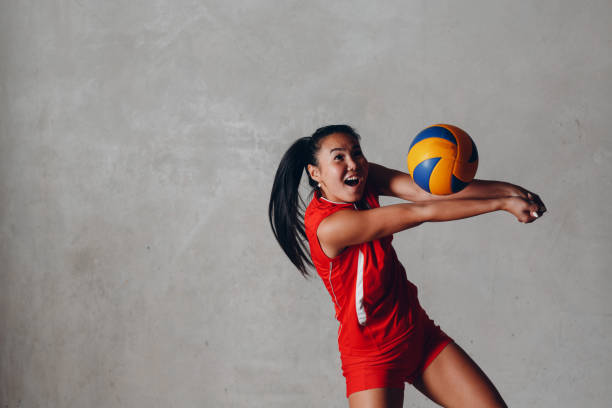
(385, 337)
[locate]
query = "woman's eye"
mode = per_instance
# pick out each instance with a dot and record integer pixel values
(338, 157)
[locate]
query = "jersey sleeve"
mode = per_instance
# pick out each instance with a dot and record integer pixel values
(312, 220)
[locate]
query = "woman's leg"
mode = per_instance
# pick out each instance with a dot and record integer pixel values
(453, 379)
(377, 398)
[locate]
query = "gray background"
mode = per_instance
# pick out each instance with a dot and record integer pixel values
(138, 143)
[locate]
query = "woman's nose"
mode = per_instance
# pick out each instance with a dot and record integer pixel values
(351, 164)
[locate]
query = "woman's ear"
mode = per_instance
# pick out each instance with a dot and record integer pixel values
(314, 173)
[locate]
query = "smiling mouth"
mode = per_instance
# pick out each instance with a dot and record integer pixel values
(351, 181)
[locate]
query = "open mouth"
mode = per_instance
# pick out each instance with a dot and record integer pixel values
(352, 181)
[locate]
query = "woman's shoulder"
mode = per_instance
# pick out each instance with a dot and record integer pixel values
(320, 208)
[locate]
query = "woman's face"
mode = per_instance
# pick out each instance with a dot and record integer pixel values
(342, 168)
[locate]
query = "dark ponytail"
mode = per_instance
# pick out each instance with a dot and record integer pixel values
(286, 208)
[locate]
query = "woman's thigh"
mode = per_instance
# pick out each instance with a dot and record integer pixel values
(453, 379)
(377, 398)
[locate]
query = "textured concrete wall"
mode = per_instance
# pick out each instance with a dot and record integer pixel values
(138, 142)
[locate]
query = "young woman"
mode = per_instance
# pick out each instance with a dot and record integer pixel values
(385, 337)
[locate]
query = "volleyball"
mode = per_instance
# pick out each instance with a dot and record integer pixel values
(442, 159)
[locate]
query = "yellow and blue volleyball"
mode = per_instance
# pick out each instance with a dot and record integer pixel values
(442, 159)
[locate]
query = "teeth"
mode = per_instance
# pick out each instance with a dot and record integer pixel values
(352, 181)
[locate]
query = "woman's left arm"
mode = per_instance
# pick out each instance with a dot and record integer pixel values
(398, 184)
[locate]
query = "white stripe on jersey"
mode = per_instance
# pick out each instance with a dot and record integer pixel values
(361, 315)
(332, 286)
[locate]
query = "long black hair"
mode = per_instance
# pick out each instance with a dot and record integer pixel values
(286, 208)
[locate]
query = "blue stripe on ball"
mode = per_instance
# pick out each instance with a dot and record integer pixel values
(421, 173)
(434, 131)
(474, 155)
(457, 185)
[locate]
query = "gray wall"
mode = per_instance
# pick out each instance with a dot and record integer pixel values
(138, 142)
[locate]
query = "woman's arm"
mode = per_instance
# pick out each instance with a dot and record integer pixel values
(350, 227)
(398, 184)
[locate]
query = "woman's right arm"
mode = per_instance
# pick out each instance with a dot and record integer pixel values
(350, 227)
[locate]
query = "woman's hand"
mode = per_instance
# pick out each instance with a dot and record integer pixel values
(519, 191)
(525, 210)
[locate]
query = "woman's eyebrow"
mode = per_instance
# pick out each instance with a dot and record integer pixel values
(343, 149)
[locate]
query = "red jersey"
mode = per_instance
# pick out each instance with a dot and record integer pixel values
(373, 299)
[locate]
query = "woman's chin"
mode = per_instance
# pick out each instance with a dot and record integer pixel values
(354, 194)
(347, 194)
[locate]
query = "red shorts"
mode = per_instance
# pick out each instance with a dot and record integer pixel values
(403, 363)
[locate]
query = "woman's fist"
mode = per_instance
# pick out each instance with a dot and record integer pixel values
(524, 209)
